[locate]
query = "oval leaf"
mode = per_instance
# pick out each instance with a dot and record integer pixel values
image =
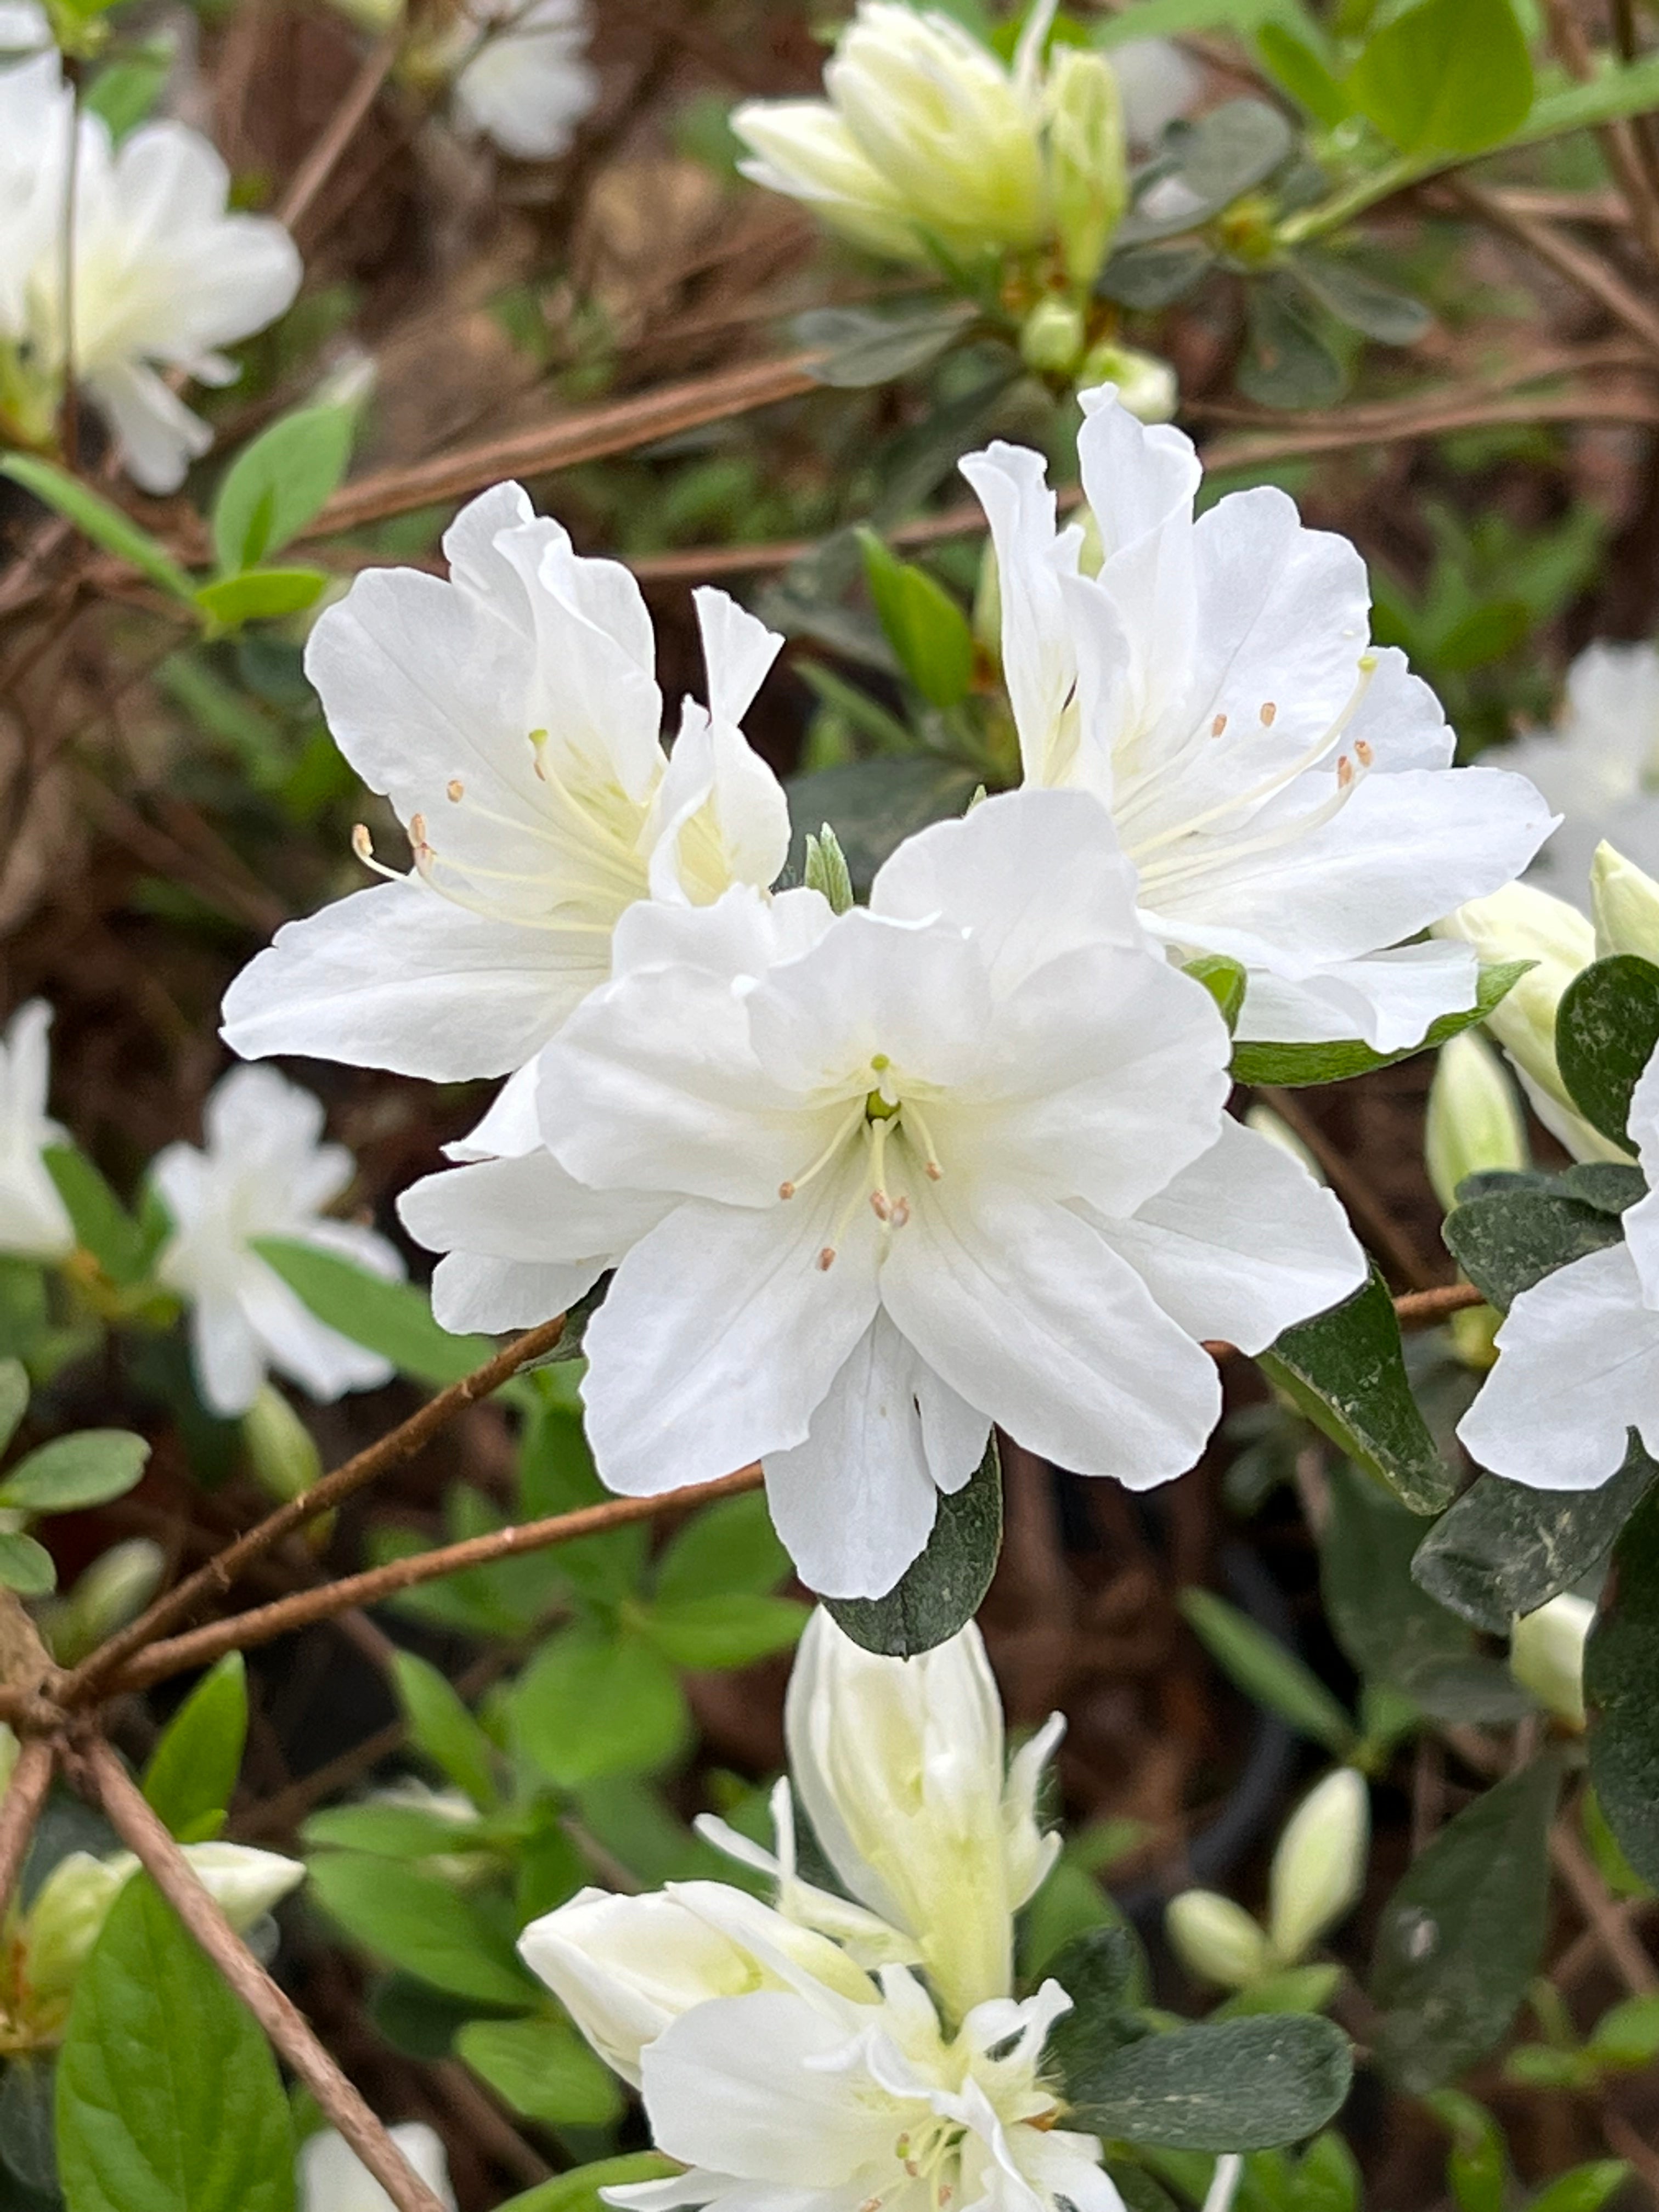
(88, 1468)
(1621, 1667)
(1232, 2085)
(1606, 1028)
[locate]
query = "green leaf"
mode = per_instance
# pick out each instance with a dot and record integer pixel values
(1103, 1973)
(1506, 1239)
(14, 1397)
(387, 1832)
(26, 1566)
(102, 1225)
(1206, 165)
(1477, 2165)
(591, 1704)
(580, 2190)
(391, 1318)
(1266, 1671)
(1362, 302)
(874, 805)
(1229, 2086)
(88, 1468)
(1297, 63)
(556, 1475)
(414, 1920)
(1152, 276)
(1288, 363)
(943, 1589)
(1225, 979)
(441, 1726)
(715, 1631)
(1583, 2188)
(27, 2135)
(168, 2097)
(1345, 1371)
(1627, 2035)
(861, 346)
(1621, 1667)
(261, 595)
(1503, 1549)
(1460, 1937)
(924, 625)
(1613, 92)
(543, 2070)
(1605, 1028)
(105, 524)
(192, 1775)
(1292, 1066)
(124, 93)
(1449, 76)
(1292, 1989)
(278, 483)
(728, 1550)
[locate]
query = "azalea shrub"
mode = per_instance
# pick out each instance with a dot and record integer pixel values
(829, 1106)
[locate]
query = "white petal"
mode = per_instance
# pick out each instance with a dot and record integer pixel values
(739, 649)
(333, 2178)
(526, 1208)
(318, 1358)
(1578, 1366)
(1387, 1000)
(509, 1128)
(228, 1358)
(470, 1291)
(156, 434)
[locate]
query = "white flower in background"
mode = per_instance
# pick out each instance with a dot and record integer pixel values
(36, 113)
(512, 717)
(1282, 789)
(1598, 766)
(1546, 1655)
(900, 1767)
(264, 1173)
(526, 81)
(163, 275)
(1578, 1364)
(34, 1223)
(1216, 1939)
(333, 2178)
(71, 1905)
(877, 1180)
(1156, 82)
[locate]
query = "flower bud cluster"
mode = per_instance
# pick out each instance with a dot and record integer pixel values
(1317, 1874)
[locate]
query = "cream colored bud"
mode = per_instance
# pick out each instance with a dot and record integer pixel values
(1088, 175)
(1145, 384)
(1546, 1656)
(1215, 1940)
(1319, 1868)
(1625, 906)
(1474, 1123)
(333, 2178)
(280, 1449)
(1051, 337)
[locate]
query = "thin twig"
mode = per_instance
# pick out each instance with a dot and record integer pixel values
(1619, 1941)
(1630, 2143)
(390, 1450)
(20, 1807)
(166, 1866)
(320, 164)
(1597, 279)
(1619, 143)
(1422, 1309)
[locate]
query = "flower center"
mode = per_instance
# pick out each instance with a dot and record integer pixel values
(874, 1121)
(931, 2152)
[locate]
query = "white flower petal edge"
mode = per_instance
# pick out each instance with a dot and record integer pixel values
(34, 1222)
(333, 2178)
(1282, 789)
(529, 84)
(262, 1173)
(512, 717)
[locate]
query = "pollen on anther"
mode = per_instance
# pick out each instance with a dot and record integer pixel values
(826, 1259)
(361, 843)
(1269, 714)
(456, 789)
(417, 829)
(1218, 725)
(1365, 750)
(934, 1171)
(1343, 773)
(899, 1212)
(881, 1206)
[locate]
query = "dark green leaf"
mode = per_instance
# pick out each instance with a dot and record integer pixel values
(1225, 979)
(591, 1704)
(1294, 1065)
(1450, 76)
(14, 1397)
(102, 1225)
(1605, 1028)
(580, 2190)
(1360, 300)
(416, 2019)
(441, 1726)
(105, 524)
(169, 2099)
(1231, 2086)
(943, 1589)
(1103, 1974)
(1152, 276)
(1207, 164)
(1346, 1370)
(728, 1549)
(730, 1631)
(1510, 1239)
(923, 624)
(858, 346)
(1460, 1936)
(278, 483)
(261, 595)
(1504, 1549)
(26, 1566)
(415, 1921)
(192, 1770)
(88, 1468)
(387, 1832)
(543, 2070)
(1621, 1670)
(394, 1319)
(873, 806)
(27, 2131)
(1266, 1671)
(1288, 363)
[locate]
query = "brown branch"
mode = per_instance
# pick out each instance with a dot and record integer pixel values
(1631, 2145)
(1619, 1943)
(1595, 278)
(20, 1807)
(172, 1875)
(1422, 1309)
(320, 164)
(390, 1450)
(1619, 144)
(201, 1646)
(1615, 403)
(590, 434)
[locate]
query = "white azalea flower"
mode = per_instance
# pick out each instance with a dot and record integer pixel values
(877, 1180)
(23, 29)
(36, 113)
(1282, 789)
(900, 1766)
(804, 2098)
(333, 2178)
(34, 1222)
(511, 716)
(1599, 767)
(263, 1174)
(163, 275)
(525, 82)
(1578, 1353)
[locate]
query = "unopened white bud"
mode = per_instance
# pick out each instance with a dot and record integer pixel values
(1215, 1940)
(1051, 337)
(333, 2178)
(1546, 1656)
(1319, 1868)
(1474, 1123)
(280, 1449)
(1145, 384)
(1088, 176)
(1624, 905)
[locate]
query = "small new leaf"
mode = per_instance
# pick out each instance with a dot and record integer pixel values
(88, 1468)
(192, 1770)
(278, 483)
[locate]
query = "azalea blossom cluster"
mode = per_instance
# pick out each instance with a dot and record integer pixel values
(118, 265)
(866, 1182)
(832, 2051)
